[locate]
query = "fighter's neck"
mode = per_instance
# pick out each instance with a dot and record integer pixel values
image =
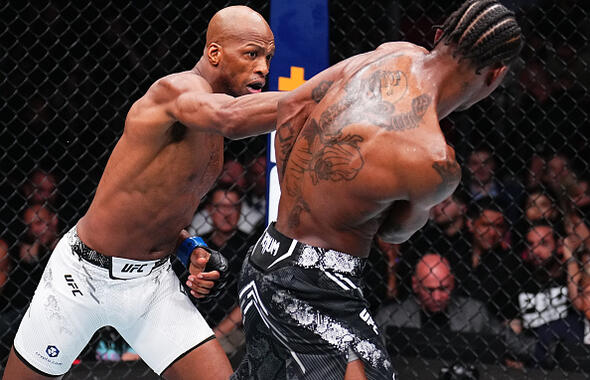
(205, 70)
(450, 77)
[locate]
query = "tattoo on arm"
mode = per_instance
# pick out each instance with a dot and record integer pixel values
(450, 173)
(318, 93)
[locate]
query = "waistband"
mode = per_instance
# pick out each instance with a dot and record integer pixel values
(96, 258)
(275, 250)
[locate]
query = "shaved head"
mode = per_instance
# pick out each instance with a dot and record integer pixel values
(240, 45)
(237, 22)
(433, 282)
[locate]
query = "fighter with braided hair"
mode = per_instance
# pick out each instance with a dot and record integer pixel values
(360, 153)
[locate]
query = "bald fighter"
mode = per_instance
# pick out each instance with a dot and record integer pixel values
(360, 154)
(113, 268)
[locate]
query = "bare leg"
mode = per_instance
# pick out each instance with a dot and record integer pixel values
(17, 370)
(355, 371)
(204, 362)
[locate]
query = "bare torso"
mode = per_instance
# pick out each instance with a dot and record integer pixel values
(153, 181)
(370, 143)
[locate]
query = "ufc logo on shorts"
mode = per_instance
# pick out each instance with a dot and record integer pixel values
(124, 269)
(72, 284)
(129, 268)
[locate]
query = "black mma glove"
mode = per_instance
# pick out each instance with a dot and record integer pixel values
(216, 262)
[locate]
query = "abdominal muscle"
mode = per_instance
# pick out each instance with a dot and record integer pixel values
(139, 213)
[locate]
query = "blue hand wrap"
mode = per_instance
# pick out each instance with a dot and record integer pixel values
(184, 250)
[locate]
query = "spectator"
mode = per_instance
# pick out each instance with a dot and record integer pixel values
(41, 188)
(233, 176)
(434, 306)
(224, 210)
(446, 232)
(542, 295)
(483, 181)
(560, 178)
(254, 207)
(535, 172)
(540, 204)
(491, 259)
(27, 268)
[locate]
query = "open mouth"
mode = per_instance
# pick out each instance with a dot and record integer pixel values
(255, 87)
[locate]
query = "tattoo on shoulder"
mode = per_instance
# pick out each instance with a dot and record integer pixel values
(450, 173)
(318, 93)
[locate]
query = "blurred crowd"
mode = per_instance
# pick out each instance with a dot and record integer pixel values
(506, 257)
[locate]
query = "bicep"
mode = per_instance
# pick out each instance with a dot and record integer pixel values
(205, 111)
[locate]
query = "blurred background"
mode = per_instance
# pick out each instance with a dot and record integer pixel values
(506, 304)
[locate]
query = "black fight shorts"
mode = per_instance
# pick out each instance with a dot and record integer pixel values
(304, 314)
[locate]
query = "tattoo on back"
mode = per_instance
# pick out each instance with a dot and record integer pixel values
(327, 153)
(450, 173)
(318, 93)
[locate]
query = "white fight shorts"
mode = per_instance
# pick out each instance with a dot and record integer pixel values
(76, 297)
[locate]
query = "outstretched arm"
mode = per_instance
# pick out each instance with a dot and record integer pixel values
(188, 99)
(235, 118)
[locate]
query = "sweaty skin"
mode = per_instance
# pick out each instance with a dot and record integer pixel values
(359, 148)
(171, 150)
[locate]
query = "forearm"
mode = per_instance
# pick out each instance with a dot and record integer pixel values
(251, 115)
(234, 118)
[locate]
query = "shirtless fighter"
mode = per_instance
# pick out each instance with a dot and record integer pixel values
(360, 153)
(113, 268)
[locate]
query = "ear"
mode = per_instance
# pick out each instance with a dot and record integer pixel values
(437, 35)
(496, 74)
(214, 53)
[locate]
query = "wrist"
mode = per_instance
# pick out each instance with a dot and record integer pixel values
(184, 250)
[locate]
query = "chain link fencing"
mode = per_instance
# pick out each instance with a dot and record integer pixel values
(501, 302)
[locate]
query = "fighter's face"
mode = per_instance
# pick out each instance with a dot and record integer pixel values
(245, 63)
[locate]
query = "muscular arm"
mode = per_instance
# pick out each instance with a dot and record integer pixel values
(235, 118)
(188, 99)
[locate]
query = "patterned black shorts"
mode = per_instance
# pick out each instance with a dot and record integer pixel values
(304, 314)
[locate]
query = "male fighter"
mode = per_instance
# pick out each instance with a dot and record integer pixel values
(360, 153)
(113, 268)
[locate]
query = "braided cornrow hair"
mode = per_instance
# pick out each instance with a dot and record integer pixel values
(484, 31)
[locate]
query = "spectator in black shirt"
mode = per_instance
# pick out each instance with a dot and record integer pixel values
(544, 309)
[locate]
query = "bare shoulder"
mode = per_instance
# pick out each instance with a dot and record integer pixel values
(173, 85)
(399, 46)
